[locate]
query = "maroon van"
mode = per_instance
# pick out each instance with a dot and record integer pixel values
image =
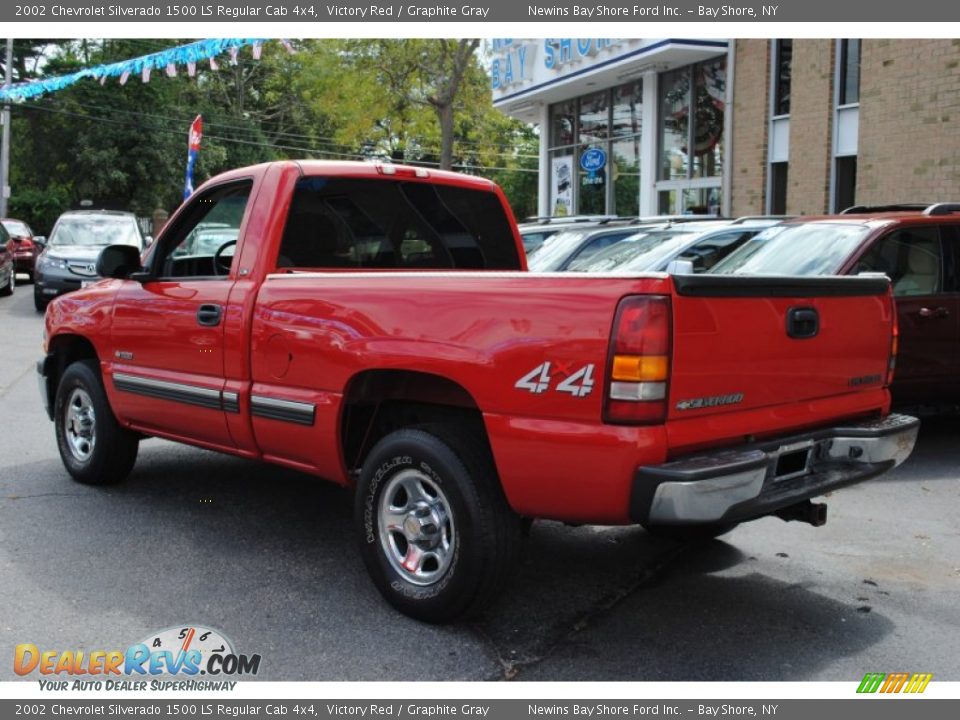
(917, 246)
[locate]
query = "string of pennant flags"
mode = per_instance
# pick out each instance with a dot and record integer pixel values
(168, 61)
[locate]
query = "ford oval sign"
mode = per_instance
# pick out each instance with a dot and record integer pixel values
(593, 159)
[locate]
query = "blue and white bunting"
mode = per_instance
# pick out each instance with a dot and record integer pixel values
(166, 60)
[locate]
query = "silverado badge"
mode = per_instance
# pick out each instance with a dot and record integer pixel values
(712, 401)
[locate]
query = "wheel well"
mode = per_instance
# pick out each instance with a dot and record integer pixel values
(377, 402)
(64, 350)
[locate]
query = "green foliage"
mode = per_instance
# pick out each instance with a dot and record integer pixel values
(125, 146)
(40, 208)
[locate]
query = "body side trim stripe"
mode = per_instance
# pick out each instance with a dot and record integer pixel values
(285, 410)
(176, 392)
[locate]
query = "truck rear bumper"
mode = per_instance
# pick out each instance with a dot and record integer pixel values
(733, 485)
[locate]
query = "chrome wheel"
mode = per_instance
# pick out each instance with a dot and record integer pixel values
(80, 425)
(417, 532)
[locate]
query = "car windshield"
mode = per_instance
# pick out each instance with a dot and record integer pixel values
(555, 249)
(817, 248)
(17, 228)
(638, 253)
(92, 230)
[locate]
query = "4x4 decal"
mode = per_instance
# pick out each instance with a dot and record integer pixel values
(538, 380)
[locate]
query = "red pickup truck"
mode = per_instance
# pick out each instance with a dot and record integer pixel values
(374, 325)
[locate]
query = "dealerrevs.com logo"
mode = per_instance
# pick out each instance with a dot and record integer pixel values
(186, 652)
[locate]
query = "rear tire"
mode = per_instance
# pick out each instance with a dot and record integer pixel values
(436, 533)
(94, 448)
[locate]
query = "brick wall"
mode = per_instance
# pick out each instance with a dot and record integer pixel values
(748, 178)
(811, 119)
(909, 137)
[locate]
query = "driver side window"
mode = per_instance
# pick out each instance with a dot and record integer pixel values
(202, 243)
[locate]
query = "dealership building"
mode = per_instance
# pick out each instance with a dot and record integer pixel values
(736, 127)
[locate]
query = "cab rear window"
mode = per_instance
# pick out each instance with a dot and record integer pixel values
(381, 223)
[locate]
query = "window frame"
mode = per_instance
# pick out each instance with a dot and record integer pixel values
(165, 245)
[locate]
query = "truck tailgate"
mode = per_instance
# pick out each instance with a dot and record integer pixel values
(743, 343)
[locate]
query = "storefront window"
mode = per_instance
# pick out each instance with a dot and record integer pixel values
(594, 118)
(626, 176)
(691, 142)
(627, 109)
(674, 124)
(593, 184)
(607, 127)
(690, 201)
(563, 118)
(711, 87)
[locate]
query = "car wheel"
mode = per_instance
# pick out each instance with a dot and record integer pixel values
(436, 532)
(38, 300)
(8, 289)
(94, 448)
(690, 533)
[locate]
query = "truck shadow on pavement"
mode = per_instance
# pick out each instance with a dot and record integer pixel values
(269, 557)
(668, 615)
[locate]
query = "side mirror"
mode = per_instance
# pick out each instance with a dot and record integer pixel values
(118, 261)
(680, 267)
(147, 241)
(40, 241)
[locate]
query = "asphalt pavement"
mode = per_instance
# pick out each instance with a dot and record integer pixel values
(267, 556)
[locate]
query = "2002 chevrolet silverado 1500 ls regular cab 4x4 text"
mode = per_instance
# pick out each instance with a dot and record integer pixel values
(374, 325)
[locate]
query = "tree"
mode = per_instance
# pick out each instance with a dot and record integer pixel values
(124, 146)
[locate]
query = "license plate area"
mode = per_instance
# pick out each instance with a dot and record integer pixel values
(793, 461)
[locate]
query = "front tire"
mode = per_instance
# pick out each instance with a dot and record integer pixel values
(94, 448)
(38, 301)
(436, 533)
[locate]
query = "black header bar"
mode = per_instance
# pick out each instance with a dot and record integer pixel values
(386, 11)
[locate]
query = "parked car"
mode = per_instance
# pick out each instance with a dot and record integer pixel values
(69, 260)
(24, 247)
(702, 244)
(534, 231)
(8, 279)
(454, 401)
(559, 250)
(207, 238)
(919, 250)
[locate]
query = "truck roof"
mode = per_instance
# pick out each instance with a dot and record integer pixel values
(352, 168)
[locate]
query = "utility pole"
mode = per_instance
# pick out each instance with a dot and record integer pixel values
(5, 139)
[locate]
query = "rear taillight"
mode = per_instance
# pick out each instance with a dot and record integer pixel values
(639, 365)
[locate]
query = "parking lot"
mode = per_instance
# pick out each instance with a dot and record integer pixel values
(268, 557)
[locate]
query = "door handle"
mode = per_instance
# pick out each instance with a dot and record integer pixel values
(209, 315)
(938, 312)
